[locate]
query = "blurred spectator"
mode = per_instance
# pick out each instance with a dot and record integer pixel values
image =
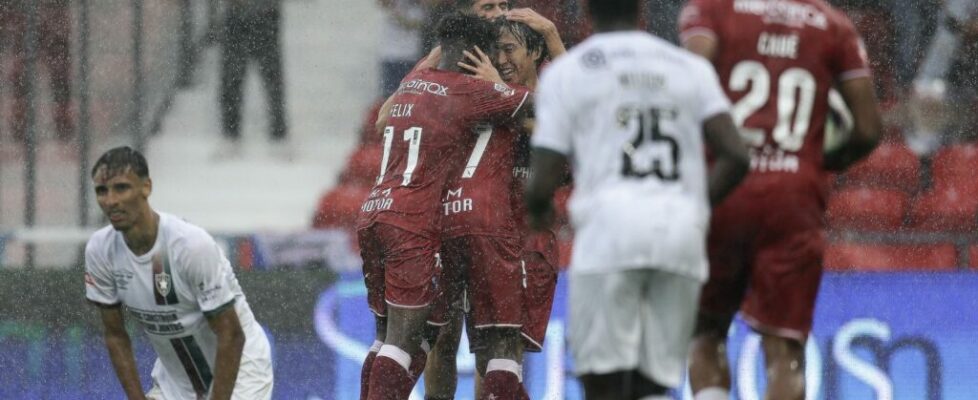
(52, 30)
(251, 32)
(945, 90)
(400, 46)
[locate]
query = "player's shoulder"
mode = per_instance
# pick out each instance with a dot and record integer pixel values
(183, 237)
(99, 243)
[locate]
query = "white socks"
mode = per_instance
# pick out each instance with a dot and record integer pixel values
(376, 346)
(712, 393)
(395, 353)
(502, 364)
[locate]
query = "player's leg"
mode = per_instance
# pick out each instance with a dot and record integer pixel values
(269, 55)
(668, 309)
(234, 62)
(371, 251)
(441, 372)
(784, 361)
(538, 299)
(496, 285)
(603, 332)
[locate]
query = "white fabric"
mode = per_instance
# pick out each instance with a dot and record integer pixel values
(197, 277)
(586, 108)
(398, 43)
(502, 364)
(638, 319)
(712, 393)
(375, 347)
(397, 354)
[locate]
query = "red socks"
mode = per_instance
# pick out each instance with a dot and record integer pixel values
(394, 373)
(503, 381)
(365, 371)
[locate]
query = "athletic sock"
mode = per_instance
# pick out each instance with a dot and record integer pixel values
(503, 380)
(365, 371)
(712, 393)
(389, 377)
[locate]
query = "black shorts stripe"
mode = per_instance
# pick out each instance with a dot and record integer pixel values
(194, 363)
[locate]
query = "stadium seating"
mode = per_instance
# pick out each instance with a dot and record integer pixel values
(943, 210)
(889, 257)
(892, 165)
(867, 209)
(973, 256)
(339, 207)
(956, 166)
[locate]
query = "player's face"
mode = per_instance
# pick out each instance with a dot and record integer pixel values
(490, 9)
(121, 196)
(515, 63)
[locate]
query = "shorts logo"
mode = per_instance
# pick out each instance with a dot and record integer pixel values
(163, 283)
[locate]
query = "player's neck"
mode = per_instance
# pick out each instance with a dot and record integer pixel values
(142, 236)
(601, 26)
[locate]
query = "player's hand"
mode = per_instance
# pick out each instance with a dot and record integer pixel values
(532, 19)
(481, 66)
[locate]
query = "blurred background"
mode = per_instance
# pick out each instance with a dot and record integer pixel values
(279, 183)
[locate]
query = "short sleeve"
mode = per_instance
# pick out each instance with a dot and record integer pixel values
(712, 99)
(207, 274)
(849, 60)
(697, 18)
(554, 119)
(99, 284)
(495, 102)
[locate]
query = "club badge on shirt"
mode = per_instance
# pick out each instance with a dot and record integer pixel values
(163, 280)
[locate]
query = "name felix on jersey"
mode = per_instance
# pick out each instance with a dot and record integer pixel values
(401, 110)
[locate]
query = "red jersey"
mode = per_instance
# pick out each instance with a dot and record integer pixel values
(429, 127)
(479, 198)
(545, 241)
(777, 60)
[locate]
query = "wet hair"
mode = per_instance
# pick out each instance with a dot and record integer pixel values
(613, 10)
(120, 159)
(531, 39)
(466, 5)
(465, 31)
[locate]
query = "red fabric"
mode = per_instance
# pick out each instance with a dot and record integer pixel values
(973, 256)
(942, 210)
(494, 284)
(867, 209)
(883, 257)
(398, 267)
(365, 374)
(363, 166)
(389, 381)
(891, 165)
(501, 385)
(429, 128)
(538, 299)
(339, 207)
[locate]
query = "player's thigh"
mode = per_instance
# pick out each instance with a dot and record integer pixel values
(410, 267)
(784, 285)
(255, 376)
(372, 254)
(452, 262)
(668, 317)
(733, 227)
(495, 282)
(604, 332)
(541, 283)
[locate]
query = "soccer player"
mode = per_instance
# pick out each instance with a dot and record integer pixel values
(777, 60)
(174, 280)
(508, 275)
(430, 123)
(631, 112)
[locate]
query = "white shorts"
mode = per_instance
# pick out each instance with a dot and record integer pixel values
(640, 319)
(255, 377)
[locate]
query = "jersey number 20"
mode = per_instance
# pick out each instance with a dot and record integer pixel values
(796, 97)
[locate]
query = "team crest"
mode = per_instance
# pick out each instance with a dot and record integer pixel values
(163, 284)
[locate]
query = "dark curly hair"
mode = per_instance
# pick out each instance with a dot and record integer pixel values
(531, 39)
(466, 31)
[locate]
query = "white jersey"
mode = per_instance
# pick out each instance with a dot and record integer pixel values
(170, 290)
(627, 109)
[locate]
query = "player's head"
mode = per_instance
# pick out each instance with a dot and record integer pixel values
(122, 186)
(519, 51)
(458, 32)
(488, 9)
(613, 14)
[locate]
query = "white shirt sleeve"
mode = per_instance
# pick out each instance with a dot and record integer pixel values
(554, 119)
(711, 96)
(206, 273)
(99, 283)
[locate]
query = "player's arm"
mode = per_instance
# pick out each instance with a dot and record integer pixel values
(732, 160)
(698, 27)
(543, 26)
(548, 168)
(230, 343)
(860, 97)
(120, 350)
(701, 44)
(430, 61)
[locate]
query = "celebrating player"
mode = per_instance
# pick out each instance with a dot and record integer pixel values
(174, 280)
(631, 112)
(430, 122)
(777, 60)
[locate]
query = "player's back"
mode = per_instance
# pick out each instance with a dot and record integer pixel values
(429, 126)
(633, 106)
(777, 61)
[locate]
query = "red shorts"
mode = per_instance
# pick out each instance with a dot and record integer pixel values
(399, 267)
(538, 298)
(493, 277)
(765, 248)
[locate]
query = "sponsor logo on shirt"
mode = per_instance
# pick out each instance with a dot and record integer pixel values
(421, 86)
(782, 12)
